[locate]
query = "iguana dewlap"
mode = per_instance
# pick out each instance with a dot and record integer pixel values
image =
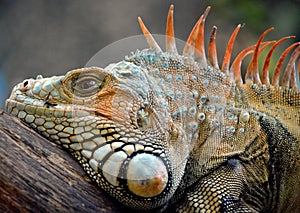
(167, 131)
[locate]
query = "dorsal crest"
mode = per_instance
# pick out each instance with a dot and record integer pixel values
(195, 49)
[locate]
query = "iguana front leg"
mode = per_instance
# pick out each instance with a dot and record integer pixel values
(221, 191)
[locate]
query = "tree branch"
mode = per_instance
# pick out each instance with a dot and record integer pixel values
(36, 175)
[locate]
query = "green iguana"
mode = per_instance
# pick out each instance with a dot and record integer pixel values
(167, 131)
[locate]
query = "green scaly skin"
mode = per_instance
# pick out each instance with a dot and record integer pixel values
(159, 131)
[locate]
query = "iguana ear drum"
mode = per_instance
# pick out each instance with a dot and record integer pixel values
(147, 175)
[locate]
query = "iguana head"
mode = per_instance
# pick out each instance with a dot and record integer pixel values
(133, 125)
(118, 125)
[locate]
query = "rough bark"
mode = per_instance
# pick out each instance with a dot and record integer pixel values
(37, 175)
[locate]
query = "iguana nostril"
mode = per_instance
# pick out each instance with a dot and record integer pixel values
(26, 85)
(147, 175)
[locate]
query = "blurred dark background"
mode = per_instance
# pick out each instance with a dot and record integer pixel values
(52, 37)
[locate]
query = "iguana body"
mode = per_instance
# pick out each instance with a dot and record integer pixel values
(161, 130)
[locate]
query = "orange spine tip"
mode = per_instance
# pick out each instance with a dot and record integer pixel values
(252, 73)
(206, 12)
(289, 78)
(265, 71)
(212, 49)
(150, 40)
(277, 71)
(170, 38)
(189, 47)
(227, 56)
(199, 43)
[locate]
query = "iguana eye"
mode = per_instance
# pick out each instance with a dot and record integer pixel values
(85, 86)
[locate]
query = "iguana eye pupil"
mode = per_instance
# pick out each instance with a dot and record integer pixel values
(86, 84)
